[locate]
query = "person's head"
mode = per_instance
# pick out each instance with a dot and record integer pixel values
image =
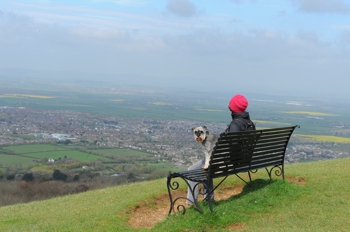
(238, 104)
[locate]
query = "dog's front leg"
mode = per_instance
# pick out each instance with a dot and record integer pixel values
(207, 159)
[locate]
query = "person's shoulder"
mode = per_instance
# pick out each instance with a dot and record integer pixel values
(235, 125)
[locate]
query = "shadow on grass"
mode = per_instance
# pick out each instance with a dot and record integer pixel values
(255, 185)
(262, 193)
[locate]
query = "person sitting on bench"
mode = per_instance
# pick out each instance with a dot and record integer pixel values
(240, 122)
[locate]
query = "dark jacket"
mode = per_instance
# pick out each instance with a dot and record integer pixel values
(240, 122)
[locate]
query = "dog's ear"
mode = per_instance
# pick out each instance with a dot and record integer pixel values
(204, 127)
(192, 129)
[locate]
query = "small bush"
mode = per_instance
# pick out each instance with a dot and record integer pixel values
(58, 175)
(76, 178)
(10, 177)
(28, 177)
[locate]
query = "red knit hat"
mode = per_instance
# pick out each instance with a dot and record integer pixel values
(238, 103)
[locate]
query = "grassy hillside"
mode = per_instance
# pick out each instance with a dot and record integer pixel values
(322, 204)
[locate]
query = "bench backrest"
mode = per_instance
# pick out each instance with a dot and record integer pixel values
(249, 150)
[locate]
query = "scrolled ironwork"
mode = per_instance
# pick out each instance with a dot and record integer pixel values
(278, 171)
(183, 208)
(173, 184)
(180, 207)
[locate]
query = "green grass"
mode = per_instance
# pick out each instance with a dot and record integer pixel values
(8, 160)
(70, 154)
(21, 149)
(122, 152)
(161, 165)
(23, 156)
(321, 205)
(264, 197)
(39, 151)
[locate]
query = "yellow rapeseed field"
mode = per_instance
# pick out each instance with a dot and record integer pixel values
(161, 104)
(270, 122)
(326, 138)
(209, 110)
(26, 95)
(309, 113)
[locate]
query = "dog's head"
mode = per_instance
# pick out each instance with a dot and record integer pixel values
(200, 133)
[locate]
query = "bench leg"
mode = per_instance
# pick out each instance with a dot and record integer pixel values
(250, 177)
(278, 170)
(209, 188)
(244, 180)
(174, 185)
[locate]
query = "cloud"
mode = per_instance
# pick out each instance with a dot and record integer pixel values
(282, 13)
(255, 45)
(345, 37)
(119, 42)
(181, 7)
(102, 33)
(134, 3)
(240, 1)
(259, 57)
(323, 6)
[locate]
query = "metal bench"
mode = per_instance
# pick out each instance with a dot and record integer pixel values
(235, 152)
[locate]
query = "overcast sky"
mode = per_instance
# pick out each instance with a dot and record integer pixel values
(293, 46)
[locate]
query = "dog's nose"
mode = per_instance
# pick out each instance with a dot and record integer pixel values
(198, 133)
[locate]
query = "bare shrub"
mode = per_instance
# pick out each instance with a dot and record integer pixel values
(81, 188)
(23, 185)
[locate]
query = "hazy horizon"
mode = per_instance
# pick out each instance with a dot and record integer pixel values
(293, 47)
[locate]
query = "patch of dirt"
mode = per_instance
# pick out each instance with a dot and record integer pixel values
(298, 180)
(236, 227)
(149, 212)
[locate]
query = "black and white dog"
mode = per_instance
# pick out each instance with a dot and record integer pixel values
(208, 140)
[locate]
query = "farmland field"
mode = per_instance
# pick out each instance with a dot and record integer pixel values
(325, 138)
(122, 152)
(25, 154)
(81, 156)
(35, 148)
(7, 160)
